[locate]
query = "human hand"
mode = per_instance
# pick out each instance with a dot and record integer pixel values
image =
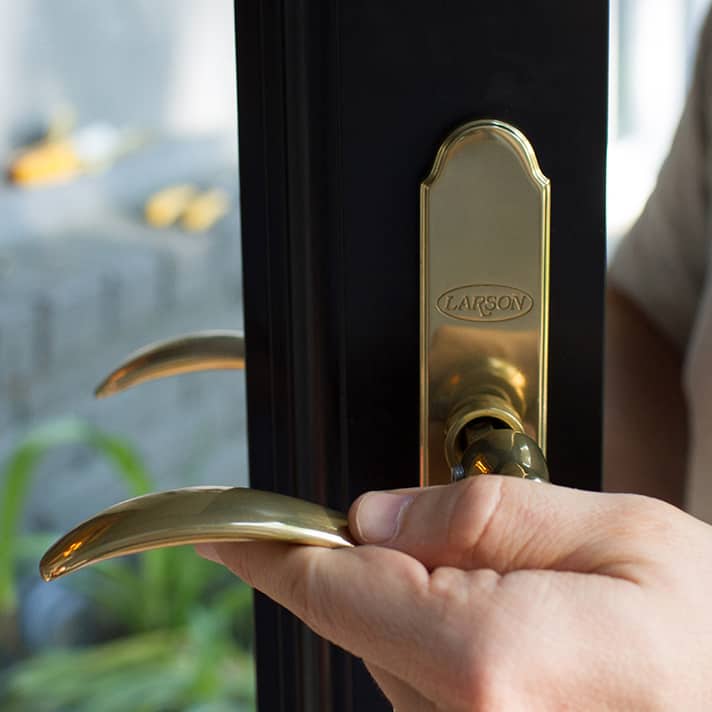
(499, 594)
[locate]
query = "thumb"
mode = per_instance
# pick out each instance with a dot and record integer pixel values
(501, 523)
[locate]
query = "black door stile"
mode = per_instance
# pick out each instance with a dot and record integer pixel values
(342, 106)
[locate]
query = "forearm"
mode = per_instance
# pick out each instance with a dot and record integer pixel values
(645, 431)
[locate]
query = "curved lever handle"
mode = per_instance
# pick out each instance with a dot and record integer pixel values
(190, 516)
(201, 351)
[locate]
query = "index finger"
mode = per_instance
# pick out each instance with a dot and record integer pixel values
(376, 603)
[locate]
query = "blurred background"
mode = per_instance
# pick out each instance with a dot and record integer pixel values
(120, 226)
(652, 52)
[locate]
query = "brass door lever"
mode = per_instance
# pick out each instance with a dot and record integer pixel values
(190, 516)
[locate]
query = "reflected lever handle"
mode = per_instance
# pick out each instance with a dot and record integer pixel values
(201, 351)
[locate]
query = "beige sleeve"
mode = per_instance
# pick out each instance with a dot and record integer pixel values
(661, 263)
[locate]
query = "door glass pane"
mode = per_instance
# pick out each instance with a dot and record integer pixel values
(103, 105)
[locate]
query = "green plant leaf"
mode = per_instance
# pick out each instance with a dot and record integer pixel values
(152, 672)
(183, 614)
(21, 465)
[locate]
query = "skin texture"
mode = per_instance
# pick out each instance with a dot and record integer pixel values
(501, 594)
(644, 405)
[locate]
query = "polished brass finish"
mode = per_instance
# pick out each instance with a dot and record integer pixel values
(202, 351)
(190, 516)
(484, 291)
(483, 406)
(504, 452)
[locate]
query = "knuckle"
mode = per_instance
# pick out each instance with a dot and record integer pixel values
(239, 561)
(647, 506)
(447, 597)
(484, 684)
(300, 591)
(475, 509)
(477, 667)
(311, 596)
(645, 516)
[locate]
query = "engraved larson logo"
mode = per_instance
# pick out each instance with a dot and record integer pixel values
(485, 302)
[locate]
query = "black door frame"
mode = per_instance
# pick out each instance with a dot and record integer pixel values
(342, 105)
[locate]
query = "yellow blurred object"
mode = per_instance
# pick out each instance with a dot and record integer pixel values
(203, 211)
(166, 206)
(65, 153)
(50, 162)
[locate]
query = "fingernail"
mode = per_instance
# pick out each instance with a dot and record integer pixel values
(379, 515)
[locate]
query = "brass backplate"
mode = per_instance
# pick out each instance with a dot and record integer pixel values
(484, 281)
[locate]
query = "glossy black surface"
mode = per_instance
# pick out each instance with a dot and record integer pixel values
(342, 105)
